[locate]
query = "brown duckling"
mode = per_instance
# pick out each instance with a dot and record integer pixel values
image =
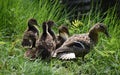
(31, 34)
(30, 54)
(46, 44)
(50, 24)
(63, 35)
(80, 44)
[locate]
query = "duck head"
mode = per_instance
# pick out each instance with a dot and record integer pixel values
(63, 31)
(32, 22)
(100, 27)
(50, 23)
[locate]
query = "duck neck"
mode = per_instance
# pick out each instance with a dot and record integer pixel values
(32, 27)
(93, 35)
(45, 29)
(52, 33)
(63, 35)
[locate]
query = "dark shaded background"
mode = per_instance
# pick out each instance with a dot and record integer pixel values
(84, 6)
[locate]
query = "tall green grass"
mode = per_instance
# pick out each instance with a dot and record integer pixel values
(104, 59)
(15, 14)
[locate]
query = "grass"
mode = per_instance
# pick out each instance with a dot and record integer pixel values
(103, 59)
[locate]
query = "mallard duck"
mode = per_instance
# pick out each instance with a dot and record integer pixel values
(30, 54)
(63, 35)
(80, 44)
(31, 34)
(46, 44)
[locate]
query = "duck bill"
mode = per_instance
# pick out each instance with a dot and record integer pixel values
(107, 34)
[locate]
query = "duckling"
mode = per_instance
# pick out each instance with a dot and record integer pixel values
(80, 44)
(50, 24)
(31, 34)
(46, 44)
(30, 54)
(63, 35)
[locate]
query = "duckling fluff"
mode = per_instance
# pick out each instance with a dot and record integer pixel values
(30, 54)
(46, 44)
(63, 35)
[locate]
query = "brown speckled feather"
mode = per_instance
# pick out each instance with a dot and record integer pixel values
(80, 44)
(30, 54)
(29, 39)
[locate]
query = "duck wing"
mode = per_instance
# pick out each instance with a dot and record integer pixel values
(73, 47)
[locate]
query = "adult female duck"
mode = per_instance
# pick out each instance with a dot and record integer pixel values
(80, 44)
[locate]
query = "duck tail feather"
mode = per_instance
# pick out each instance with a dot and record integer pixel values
(53, 54)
